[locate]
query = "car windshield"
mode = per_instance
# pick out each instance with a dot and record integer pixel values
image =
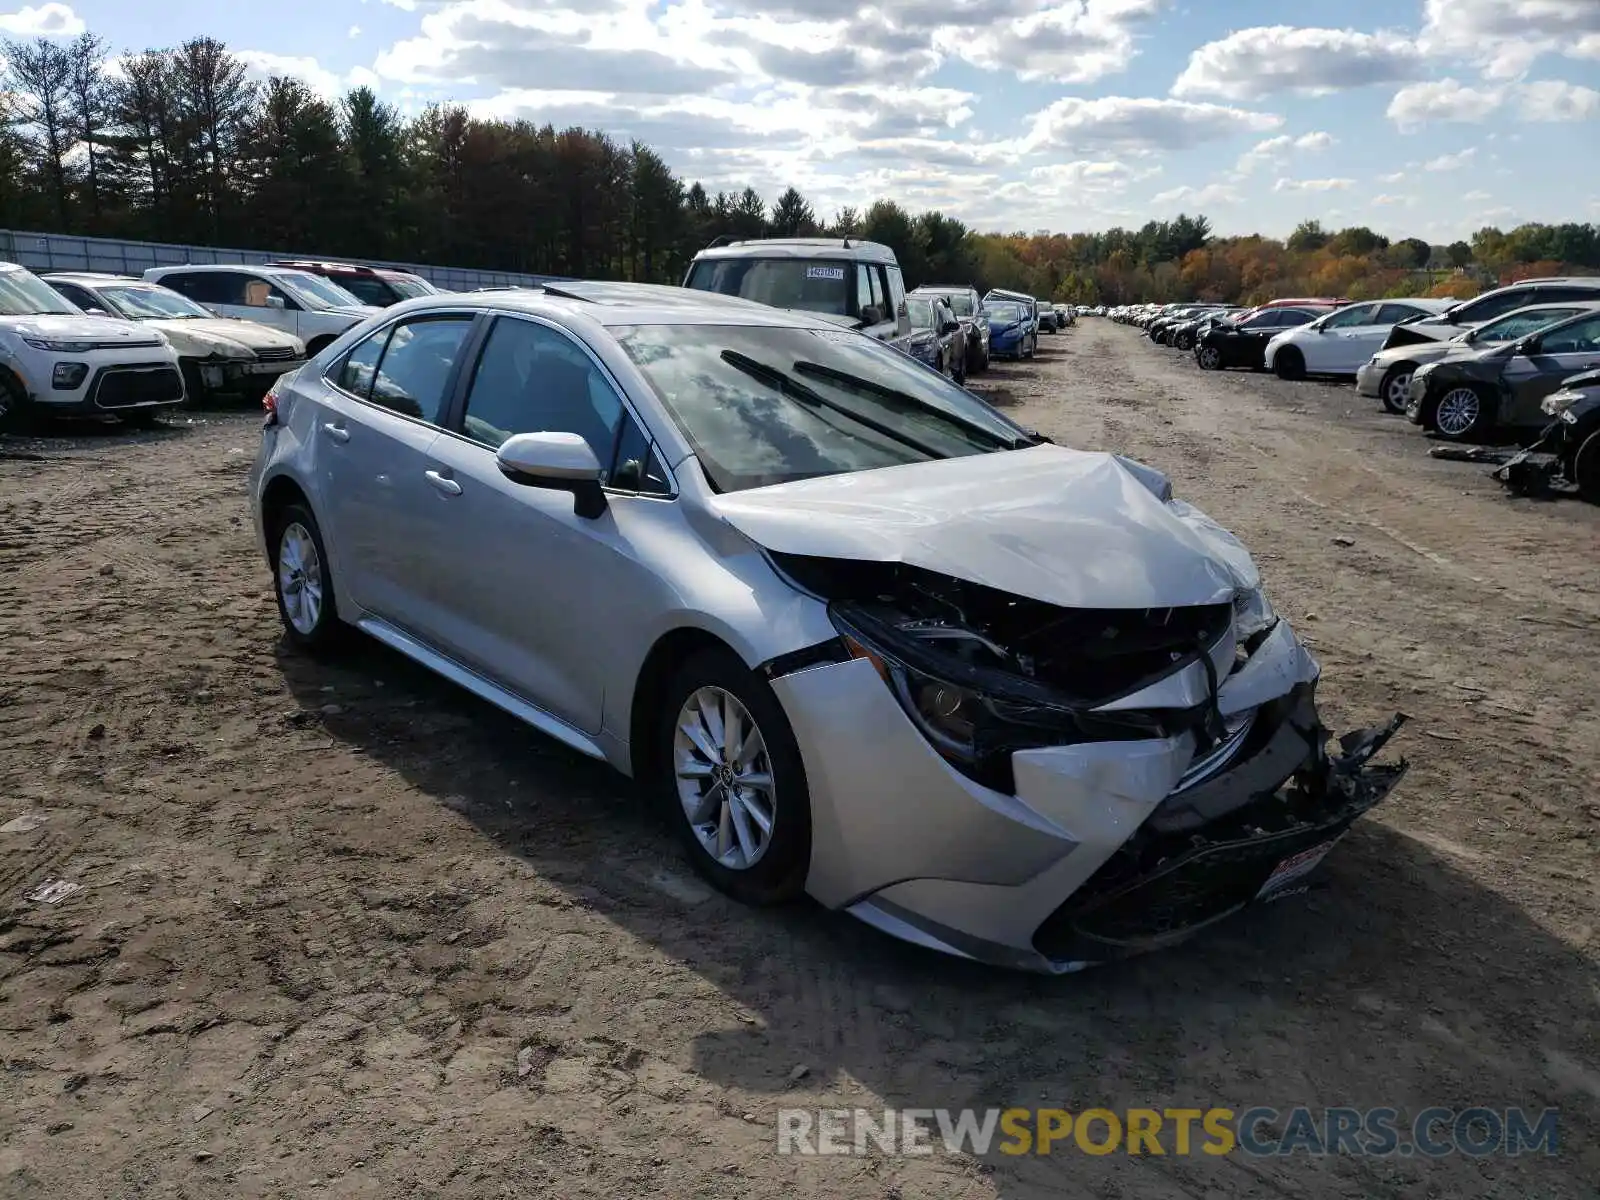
(411, 286)
(960, 303)
(148, 303)
(764, 405)
(1005, 313)
(921, 312)
(781, 282)
(24, 294)
(313, 290)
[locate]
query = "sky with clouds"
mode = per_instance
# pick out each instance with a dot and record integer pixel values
(1422, 118)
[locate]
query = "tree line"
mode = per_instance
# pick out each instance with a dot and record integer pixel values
(181, 145)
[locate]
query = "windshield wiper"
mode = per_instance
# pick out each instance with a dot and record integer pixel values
(884, 392)
(792, 387)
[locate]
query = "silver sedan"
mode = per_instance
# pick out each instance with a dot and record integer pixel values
(857, 633)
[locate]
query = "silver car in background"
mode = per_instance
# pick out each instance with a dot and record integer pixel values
(858, 634)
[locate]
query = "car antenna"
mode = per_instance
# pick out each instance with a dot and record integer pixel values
(847, 243)
(722, 239)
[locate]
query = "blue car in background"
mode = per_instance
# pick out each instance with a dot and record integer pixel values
(1012, 330)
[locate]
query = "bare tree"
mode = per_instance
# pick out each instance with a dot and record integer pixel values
(40, 73)
(88, 109)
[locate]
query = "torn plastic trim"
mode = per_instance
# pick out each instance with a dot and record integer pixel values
(823, 654)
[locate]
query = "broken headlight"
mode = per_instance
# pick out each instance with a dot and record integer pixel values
(1560, 404)
(1252, 614)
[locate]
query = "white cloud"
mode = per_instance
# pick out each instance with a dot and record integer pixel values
(1266, 60)
(1449, 100)
(1395, 177)
(1451, 162)
(1553, 100)
(1212, 195)
(1313, 185)
(1505, 37)
(1477, 197)
(1442, 100)
(1140, 123)
(1276, 149)
(47, 20)
(1078, 41)
(1385, 200)
(330, 85)
(355, 31)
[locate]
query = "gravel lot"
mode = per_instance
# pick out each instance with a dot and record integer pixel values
(347, 931)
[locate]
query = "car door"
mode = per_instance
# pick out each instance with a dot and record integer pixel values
(1326, 346)
(383, 403)
(531, 586)
(878, 318)
(1555, 356)
(260, 299)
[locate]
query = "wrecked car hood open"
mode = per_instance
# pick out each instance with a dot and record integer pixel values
(1066, 527)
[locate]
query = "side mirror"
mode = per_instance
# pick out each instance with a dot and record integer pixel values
(1528, 345)
(275, 302)
(97, 312)
(560, 461)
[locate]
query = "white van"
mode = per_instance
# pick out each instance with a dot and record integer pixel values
(856, 283)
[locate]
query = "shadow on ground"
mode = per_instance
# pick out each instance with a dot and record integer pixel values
(1399, 981)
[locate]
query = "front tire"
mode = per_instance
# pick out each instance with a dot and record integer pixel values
(13, 402)
(731, 780)
(1184, 342)
(1290, 364)
(1462, 413)
(302, 581)
(1396, 387)
(1586, 468)
(1209, 358)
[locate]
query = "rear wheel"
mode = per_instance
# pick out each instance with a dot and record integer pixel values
(1184, 342)
(303, 580)
(1396, 387)
(1290, 363)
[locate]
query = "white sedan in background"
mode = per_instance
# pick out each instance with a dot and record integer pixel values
(1339, 343)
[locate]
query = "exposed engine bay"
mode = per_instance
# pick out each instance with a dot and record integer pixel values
(986, 673)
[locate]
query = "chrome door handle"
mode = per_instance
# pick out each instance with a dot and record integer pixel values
(337, 432)
(443, 484)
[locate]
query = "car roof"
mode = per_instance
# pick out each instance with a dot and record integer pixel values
(259, 268)
(850, 249)
(611, 303)
(319, 264)
(942, 288)
(93, 277)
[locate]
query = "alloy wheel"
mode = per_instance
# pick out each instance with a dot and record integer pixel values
(724, 778)
(1458, 411)
(300, 581)
(1210, 358)
(1398, 394)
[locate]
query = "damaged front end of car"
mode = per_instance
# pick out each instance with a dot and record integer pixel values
(1175, 753)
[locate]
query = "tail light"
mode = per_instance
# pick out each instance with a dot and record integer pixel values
(269, 404)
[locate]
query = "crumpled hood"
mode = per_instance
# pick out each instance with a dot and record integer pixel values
(194, 335)
(69, 328)
(1066, 527)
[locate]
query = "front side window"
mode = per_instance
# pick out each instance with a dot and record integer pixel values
(922, 313)
(416, 366)
(531, 378)
(76, 295)
(1394, 314)
(897, 288)
(368, 290)
(1581, 337)
(814, 286)
(1490, 307)
(260, 293)
(1517, 325)
(767, 405)
(961, 304)
(1290, 318)
(1349, 318)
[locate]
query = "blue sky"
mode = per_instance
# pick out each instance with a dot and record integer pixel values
(1424, 118)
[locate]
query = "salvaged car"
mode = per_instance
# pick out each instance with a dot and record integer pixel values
(1241, 341)
(1569, 450)
(1387, 374)
(1497, 303)
(1011, 329)
(1470, 394)
(937, 339)
(217, 355)
(857, 633)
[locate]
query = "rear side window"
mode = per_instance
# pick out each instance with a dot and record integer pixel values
(1560, 294)
(367, 289)
(1581, 337)
(897, 287)
(1393, 314)
(1490, 307)
(209, 287)
(356, 370)
(417, 364)
(1288, 318)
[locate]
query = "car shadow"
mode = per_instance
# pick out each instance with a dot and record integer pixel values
(1398, 980)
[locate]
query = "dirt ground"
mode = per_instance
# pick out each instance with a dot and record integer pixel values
(348, 931)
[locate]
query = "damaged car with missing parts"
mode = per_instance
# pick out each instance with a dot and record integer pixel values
(856, 632)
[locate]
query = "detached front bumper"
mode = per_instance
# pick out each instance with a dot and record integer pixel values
(234, 374)
(1106, 849)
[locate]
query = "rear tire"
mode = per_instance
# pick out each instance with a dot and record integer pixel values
(1396, 387)
(13, 404)
(687, 777)
(1463, 413)
(1184, 342)
(1290, 364)
(302, 580)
